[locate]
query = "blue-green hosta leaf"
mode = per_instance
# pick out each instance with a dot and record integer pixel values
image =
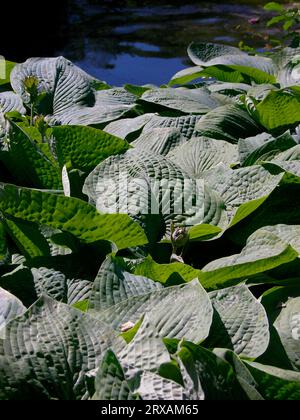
(110, 382)
(287, 325)
(263, 147)
(146, 352)
(243, 375)
(9, 101)
(128, 127)
(85, 147)
(70, 93)
(240, 186)
(200, 154)
(240, 322)
(142, 183)
(10, 308)
(288, 60)
(208, 54)
(213, 378)
(155, 387)
(114, 285)
(274, 383)
(185, 124)
(283, 308)
(108, 105)
(265, 249)
(48, 351)
(69, 215)
(188, 101)
(58, 286)
(159, 141)
(181, 311)
(229, 123)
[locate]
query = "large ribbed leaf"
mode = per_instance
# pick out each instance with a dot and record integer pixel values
(265, 249)
(146, 352)
(263, 147)
(48, 350)
(154, 387)
(229, 123)
(60, 286)
(240, 322)
(208, 54)
(283, 308)
(110, 382)
(128, 127)
(85, 147)
(280, 109)
(69, 215)
(288, 326)
(185, 124)
(10, 308)
(175, 312)
(212, 377)
(142, 183)
(166, 274)
(114, 285)
(160, 140)
(242, 187)
(195, 101)
(9, 101)
(201, 154)
(70, 96)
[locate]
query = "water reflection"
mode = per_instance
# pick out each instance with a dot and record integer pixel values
(131, 41)
(140, 42)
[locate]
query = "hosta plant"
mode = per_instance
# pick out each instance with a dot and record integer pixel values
(149, 236)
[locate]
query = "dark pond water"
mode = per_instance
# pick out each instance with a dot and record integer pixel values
(131, 41)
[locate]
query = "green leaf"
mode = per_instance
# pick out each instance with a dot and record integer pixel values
(28, 238)
(274, 7)
(265, 249)
(209, 54)
(263, 147)
(279, 110)
(201, 154)
(70, 215)
(203, 232)
(167, 274)
(9, 65)
(229, 123)
(28, 163)
(154, 387)
(3, 244)
(189, 101)
(212, 377)
(110, 382)
(240, 322)
(114, 284)
(85, 147)
(190, 317)
(52, 363)
(159, 141)
(274, 383)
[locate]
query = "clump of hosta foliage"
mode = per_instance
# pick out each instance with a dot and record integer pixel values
(90, 305)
